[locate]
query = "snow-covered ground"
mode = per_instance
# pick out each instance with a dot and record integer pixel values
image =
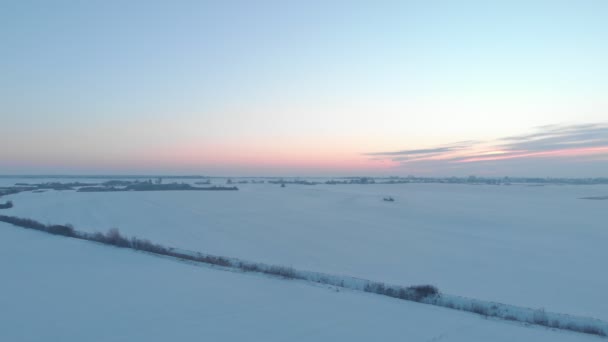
(60, 289)
(539, 247)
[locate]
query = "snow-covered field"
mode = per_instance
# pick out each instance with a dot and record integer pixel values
(61, 289)
(539, 247)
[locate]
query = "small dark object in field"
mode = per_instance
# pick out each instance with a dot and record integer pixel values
(388, 199)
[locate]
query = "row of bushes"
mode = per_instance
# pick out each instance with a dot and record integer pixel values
(420, 293)
(65, 230)
(9, 191)
(281, 271)
(7, 205)
(537, 317)
(540, 317)
(414, 293)
(115, 238)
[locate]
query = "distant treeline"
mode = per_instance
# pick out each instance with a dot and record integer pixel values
(111, 186)
(102, 176)
(354, 180)
(446, 180)
(157, 187)
(9, 191)
(294, 181)
(470, 180)
(53, 185)
(126, 180)
(231, 181)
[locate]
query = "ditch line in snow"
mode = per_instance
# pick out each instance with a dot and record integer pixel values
(427, 294)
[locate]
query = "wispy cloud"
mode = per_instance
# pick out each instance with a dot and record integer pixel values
(427, 151)
(557, 137)
(412, 152)
(551, 141)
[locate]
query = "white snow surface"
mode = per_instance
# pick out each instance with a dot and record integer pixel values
(538, 247)
(61, 289)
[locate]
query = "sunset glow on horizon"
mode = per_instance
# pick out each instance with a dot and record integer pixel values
(305, 88)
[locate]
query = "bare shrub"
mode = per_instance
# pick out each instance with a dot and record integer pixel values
(23, 222)
(588, 329)
(423, 291)
(414, 293)
(214, 260)
(65, 230)
(147, 246)
(479, 309)
(113, 237)
(97, 236)
(282, 271)
(249, 267)
(540, 318)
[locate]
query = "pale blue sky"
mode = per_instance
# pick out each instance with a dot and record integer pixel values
(273, 87)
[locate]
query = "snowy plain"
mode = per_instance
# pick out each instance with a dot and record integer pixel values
(61, 289)
(532, 246)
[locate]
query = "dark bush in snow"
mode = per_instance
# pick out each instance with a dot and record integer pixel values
(249, 267)
(7, 205)
(540, 318)
(113, 237)
(415, 293)
(588, 329)
(286, 272)
(479, 309)
(99, 237)
(424, 291)
(147, 246)
(23, 222)
(214, 260)
(66, 230)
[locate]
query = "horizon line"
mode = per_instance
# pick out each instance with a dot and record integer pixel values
(273, 177)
